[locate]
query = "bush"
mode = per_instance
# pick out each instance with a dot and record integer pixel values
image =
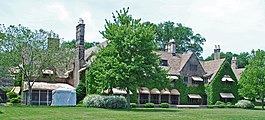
(11, 95)
(210, 106)
(115, 102)
(15, 100)
(94, 101)
(105, 101)
(245, 104)
(149, 105)
(219, 103)
(164, 105)
(229, 104)
(133, 105)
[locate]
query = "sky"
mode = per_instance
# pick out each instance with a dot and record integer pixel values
(236, 25)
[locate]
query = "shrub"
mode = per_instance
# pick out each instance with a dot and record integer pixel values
(105, 101)
(210, 106)
(115, 102)
(219, 103)
(164, 105)
(15, 100)
(133, 105)
(229, 104)
(11, 95)
(245, 104)
(94, 101)
(149, 105)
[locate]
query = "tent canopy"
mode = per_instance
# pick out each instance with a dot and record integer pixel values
(63, 97)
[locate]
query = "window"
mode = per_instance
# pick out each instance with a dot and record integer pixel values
(193, 67)
(185, 79)
(164, 63)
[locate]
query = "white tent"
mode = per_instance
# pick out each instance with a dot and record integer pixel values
(63, 97)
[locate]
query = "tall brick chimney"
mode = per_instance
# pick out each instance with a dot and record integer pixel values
(80, 61)
(171, 47)
(234, 63)
(217, 52)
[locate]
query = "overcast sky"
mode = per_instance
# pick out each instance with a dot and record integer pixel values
(235, 25)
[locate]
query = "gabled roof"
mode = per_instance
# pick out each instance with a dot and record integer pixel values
(96, 48)
(238, 72)
(175, 62)
(212, 67)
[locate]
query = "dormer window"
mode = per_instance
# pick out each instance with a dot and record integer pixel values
(164, 63)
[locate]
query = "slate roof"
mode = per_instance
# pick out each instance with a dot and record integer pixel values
(212, 67)
(238, 72)
(175, 62)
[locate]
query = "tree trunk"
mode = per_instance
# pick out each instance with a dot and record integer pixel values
(262, 101)
(29, 93)
(128, 98)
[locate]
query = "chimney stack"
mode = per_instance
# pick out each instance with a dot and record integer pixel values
(217, 52)
(80, 59)
(171, 47)
(234, 63)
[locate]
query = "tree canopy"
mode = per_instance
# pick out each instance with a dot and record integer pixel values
(72, 44)
(128, 61)
(184, 37)
(30, 53)
(252, 81)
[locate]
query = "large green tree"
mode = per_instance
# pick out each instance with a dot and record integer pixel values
(72, 44)
(184, 37)
(128, 61)
(252, 81)
(27, 51)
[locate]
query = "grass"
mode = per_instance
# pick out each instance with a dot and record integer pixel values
(69, 113)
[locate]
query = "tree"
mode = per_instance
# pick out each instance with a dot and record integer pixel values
(31, 53)
(184, 37)
(128, 61)
(252, 81)
(72, 44)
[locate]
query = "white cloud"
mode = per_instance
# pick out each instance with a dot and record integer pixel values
(59, 10)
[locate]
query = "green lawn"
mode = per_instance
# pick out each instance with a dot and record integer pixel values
(71, 113)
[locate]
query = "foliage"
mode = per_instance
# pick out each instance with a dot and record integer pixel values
(185, 90)
(149, 105)
(11, 95)
(128, 60)
(6, 89)
(80, 92)
(115, 102)
(245, 104)
(219, 103)
(184, 37)
(31, 52)
(252, 80)
(133, 105)
(15, 100)
(210, 106)
(72, 44)
(164, 105)
(94, 101)
(217, 86)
